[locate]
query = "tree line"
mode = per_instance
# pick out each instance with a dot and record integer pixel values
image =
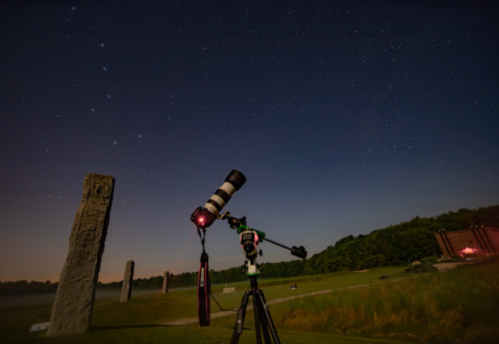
(393, 245)
(24, 287)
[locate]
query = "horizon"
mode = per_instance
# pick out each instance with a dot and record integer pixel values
(119, 280)
(344, 117)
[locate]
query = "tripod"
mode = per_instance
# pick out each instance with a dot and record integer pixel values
(250, 238)
(263, 320)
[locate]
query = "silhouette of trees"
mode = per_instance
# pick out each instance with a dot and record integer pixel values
(25, 287)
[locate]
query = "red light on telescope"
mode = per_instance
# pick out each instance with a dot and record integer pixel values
(201, 220)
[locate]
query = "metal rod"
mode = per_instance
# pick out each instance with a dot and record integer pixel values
(487, 236)
(477, 229)
(478, 241)
(448, 242)
(276, 243)
(445, 244)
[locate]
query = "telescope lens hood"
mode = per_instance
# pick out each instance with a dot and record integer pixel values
(236, 178)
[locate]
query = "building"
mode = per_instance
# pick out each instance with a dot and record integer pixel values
(484, 240)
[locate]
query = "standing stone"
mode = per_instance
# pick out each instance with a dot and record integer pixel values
(166, 282)
(74, 299)
(126, 289)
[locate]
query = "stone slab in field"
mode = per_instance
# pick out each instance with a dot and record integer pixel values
(74, 300)
(166, 282)
(126, 288)
(39, 327)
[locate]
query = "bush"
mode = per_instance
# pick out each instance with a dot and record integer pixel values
(429, 260)
(423, 267)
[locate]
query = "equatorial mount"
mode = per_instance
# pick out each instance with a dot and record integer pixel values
(258, 236)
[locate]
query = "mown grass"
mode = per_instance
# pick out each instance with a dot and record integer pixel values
(192, 334)
(279, 288)
(459, 306)
(140, 319)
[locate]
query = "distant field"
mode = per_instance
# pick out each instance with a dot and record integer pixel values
(48, 298)
(381, 313)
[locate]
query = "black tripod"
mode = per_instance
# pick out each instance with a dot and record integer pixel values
(250, 238)
(263, 320)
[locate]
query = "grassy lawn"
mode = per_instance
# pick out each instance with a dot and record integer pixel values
(455, 306)
(306, 284)
(139, 320)
(192, 334)
(458, 306)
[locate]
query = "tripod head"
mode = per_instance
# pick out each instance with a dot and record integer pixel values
(250, 238)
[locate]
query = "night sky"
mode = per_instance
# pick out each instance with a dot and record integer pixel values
(345, 117)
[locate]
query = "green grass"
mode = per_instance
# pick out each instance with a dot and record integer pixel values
(389, 311)
(279, 288)
(16, 321)
(192, 334)
(459, 306)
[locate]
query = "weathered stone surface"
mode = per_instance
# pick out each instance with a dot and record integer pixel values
(74, 300)
(126, 288)
(166, 282)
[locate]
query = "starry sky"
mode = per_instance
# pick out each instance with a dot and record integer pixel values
(345, 117)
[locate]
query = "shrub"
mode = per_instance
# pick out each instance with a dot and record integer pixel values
(423, 267)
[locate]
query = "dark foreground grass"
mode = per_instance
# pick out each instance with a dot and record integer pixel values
(139, 321)
(191, 334)
(158, 308)
(459, 306)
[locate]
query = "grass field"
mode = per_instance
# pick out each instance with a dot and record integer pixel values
(459, 306)
(455, 306)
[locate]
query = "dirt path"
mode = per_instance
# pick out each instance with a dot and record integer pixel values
(272, 302)
(449, 266)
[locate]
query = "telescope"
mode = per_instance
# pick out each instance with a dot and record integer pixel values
(204, 217)
(249, 238)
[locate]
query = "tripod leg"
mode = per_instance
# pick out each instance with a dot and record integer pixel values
(257, 310)
(267, 319)
(263, 321)
(241, 313)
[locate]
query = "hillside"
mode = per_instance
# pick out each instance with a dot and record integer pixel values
(394, 245)
(398, 244)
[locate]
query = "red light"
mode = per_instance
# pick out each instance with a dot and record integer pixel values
(201, 220)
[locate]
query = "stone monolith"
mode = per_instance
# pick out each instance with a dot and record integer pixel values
(166, 281)
(126, 288)
(74, 299)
